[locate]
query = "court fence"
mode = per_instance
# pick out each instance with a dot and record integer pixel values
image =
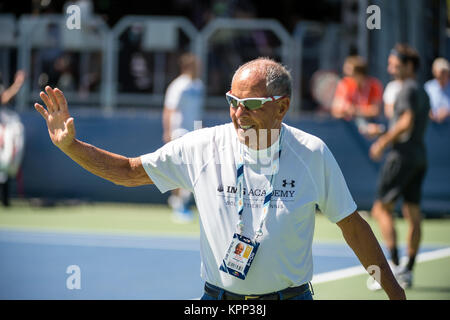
(131, 63)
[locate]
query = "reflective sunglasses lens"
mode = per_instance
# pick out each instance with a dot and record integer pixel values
(231, 101)
(253, 104)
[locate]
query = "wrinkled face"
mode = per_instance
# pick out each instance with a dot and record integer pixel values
(253, 127)
(442, 76)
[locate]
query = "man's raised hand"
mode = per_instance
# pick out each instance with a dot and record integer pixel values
(60, 125)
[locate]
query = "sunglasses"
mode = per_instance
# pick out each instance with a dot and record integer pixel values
(249, 103)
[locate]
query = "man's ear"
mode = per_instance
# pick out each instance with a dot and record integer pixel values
(284, 106)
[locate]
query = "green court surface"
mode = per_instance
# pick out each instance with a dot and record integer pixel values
(431, 282)
(431, 278)
(99, 217)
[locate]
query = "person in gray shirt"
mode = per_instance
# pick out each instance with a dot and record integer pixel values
(404, 170)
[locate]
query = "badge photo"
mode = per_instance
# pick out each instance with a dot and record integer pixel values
(239, 256)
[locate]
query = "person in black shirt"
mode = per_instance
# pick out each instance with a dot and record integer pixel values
(405, 166)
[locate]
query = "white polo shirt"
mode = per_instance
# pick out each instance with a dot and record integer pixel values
(204, 162)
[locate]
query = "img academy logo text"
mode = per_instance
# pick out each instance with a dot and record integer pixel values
(260, 192)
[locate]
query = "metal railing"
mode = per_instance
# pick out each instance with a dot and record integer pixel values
(38, 35)
(8, 42)
(49, 32)
(112, 96)
(316, 42)
(221, 24)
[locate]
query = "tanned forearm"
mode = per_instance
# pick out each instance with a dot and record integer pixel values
(404, 123)
(9, 93)
(166, 119)
(113, 167)
(61, 129)
(360, 238)
(166, 122)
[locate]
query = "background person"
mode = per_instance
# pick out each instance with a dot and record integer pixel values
(12, 137)
(391, 92)
(438, 90)
(203, 159)
(9, 93)
(358, 96)
(404, 170)
(183, 104)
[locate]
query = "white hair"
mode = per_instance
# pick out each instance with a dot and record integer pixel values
(440, 64)
(278, 78)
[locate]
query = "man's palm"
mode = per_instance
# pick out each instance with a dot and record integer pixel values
(60, 125)
(57, 127)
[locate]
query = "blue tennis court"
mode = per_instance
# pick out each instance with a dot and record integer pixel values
(33, 265)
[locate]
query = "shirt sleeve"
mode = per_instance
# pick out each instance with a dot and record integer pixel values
(407, 100)
(388, 94)
(335, 202)
(172, 96)
(170, 167)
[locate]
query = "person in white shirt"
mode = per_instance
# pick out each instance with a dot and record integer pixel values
(389, 96)
(438, 89)
(256, 181)
(12, 137)
(183, 105)
(184, 99)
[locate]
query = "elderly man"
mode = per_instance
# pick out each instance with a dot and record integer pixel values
(246, 188)
(438, 90)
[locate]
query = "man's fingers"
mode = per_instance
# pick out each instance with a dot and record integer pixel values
(61, 100)
(48, 103)
(52, 96)
(41, 110)
(70, 127)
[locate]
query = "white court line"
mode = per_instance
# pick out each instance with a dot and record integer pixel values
(130, 241)
(158, 242)
(358, 270)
